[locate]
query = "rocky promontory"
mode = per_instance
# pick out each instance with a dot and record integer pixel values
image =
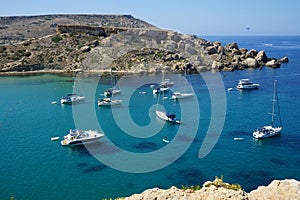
(277, 190)
(120, 42)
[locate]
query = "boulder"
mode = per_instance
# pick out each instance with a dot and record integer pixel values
(250, 62)
(231, 46)
(283, 189)
(211, 50)
(251, 54)
(273, 63)
(261, 57)
(284, 59)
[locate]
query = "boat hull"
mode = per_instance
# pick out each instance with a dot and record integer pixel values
(79, 137)
(163, 116)
(267, 132)
(109, 103)
(178, 95)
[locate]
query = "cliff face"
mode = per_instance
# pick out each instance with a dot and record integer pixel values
(70, 42)
(20, 28)
(284, 189)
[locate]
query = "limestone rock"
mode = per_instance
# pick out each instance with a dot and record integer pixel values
(277, 189)
(250, 62)
(273, 63)
(211, 50)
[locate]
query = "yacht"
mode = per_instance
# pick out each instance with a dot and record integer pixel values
(158, 90)
(78, 137)
(179, 95)
(108, 102)
(270, 130)
(71, 98)
(111, 91)
(247, 84)
(167, 117)
(185, 94)
(166, 83)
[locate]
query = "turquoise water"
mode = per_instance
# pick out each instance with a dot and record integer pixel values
(34, 167)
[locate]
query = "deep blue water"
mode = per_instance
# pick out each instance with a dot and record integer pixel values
(34, 167)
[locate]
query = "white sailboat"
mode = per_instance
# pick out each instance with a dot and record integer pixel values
(113, 90)
(164, 115)
(270, 130)
(109, 101)
(182, 95)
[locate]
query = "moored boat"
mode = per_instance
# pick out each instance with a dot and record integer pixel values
(71, 98)
(179, 95)
(166, 83)
(109, 102)
(168, 117)
(270, 130)
(247, 84)
(78, 137)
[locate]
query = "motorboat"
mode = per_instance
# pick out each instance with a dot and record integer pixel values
(160, 89)
(179, 95)
(166, 83)
(78, 137)
(185, 94)
(169, 117)
(109, 102)
(71, 98)
(115, 87)
(111, 91)
(54, 138)
(247, 84)
(270, 130)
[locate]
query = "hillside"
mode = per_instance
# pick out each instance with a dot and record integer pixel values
(119, 42)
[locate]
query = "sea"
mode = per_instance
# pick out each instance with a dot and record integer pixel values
(132, 156)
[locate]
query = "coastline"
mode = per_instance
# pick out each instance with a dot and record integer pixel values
(277, 189)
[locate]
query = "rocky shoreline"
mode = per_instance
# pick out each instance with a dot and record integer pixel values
(277, 190)
(118, 42)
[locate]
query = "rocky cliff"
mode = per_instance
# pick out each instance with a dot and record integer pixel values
(119, 42)
(277, 190)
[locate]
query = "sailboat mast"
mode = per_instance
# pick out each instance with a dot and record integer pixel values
(274, 100)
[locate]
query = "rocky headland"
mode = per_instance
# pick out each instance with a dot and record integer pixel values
(70, 43)
(278, 190)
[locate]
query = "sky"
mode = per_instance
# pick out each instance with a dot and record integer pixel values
(199, 17)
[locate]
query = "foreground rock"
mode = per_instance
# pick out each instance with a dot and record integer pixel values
(284, 189)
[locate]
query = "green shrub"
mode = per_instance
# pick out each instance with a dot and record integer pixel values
(193, 187)
(218, 182)
(56, 38)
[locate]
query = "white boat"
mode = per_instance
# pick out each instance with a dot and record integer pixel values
(166, 83)
(115, 89)
(184, 94)
(229, 89)
(270, 130)
(111, 91)
(238, 138)
(71, 98)
(166, 140)
(167, 117)
(161, 89)
(108, 102)
(247, 84)
(78, 137)
(54, 138)
(179, 95)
